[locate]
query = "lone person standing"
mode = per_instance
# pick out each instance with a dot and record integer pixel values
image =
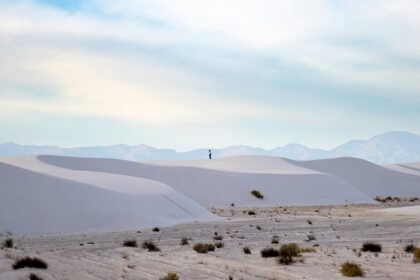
(209, 154)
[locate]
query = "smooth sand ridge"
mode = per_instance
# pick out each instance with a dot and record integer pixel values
(37, 203)
(371, 179)
(412, 168)
(219, 187)
(408, 210)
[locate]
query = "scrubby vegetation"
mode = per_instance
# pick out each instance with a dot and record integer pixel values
(33, 276)
(219, 245)
(409, 248)
(257, 194)
(275, 239)
(288, 252)
(30, 262)
(156, 229)
(350, 269)
(247, 250)
(311, 237)
(371, 247)
(170, 276)
(251, 212)
(8, 243)
(150, 246)
(184, 241)
(130, 243)
(416, 255)
(218, 237)
(269, 252)
(203, 248)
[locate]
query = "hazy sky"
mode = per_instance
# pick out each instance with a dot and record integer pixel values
(193, 73)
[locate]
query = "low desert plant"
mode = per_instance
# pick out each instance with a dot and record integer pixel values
(416, 255)
(150, 246)
(258, 227)
(33, 276)
(219, 245)
(156, 229)
(203, 248)
(251, 212)
(269, 252)
(8, 243)
(288, 252)
(247, 250)
(311, 237)
(30, 262)
(257, 194)
(275, 239)
(170, 276)
(371, 247)
(309, 222)
(218, 237)
(130, 243)
(350, 269)
(409, 248)
(184, 241)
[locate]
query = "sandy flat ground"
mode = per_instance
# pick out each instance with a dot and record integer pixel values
(340, 232)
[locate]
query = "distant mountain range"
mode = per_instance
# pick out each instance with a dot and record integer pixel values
(390, 147)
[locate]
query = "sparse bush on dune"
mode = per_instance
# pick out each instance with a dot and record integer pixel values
(269, 252)
(170, 276)
(311, 237)
(33, 276)
(30, 262)
(251, 212)
(218, 237)
(371, 247)
(409, 248)
(184, 241)
(416, 255)
(257, 194)
(8, 243)
(288, 252)
(247, 250)
(156, 229)
(350, 269)
(130, 243)
(219, 245)
(275, 239)
(203, 248)
(150, 246)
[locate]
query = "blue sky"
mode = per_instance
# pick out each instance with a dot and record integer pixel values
(195, 73)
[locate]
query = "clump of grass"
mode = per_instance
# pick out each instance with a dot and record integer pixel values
(371, 247)
(130, 243)
(219, 245)
(309, 222)
(8, 243)
(269, 252)
(251, 212)
(33, 276)
(258, 227)
(156, 229)
(170, 276)
(311, 237)
(275, 239)
(218, 237)
(150, 246)
(350, 269)
(288, 252)
(409, 248)
(184, 241)
(416, 255)
(203, 248)
(257, 194)
(30, 262)
(247, 250)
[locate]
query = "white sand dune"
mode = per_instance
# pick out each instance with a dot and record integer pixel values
(35, 202)
(224, 181)
(369, 178)
(404, 211)
(412, 168)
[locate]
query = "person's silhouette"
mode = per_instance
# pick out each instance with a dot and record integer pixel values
(209, 154)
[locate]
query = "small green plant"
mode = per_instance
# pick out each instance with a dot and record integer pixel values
(156, 229)
(219, 245)
(275, 239)
(8, 243)
(184, 241)
(33, 276)
(269, 252)
(170, 276)
(416, 255)
(30, 262)
(350, 269)
(310, 237)
(247, 250)
(371, 247)
(409, 248)
(203, 248)
(218, 237)
(130, 243)
(288, 252)
(257, 194)
(150, 246)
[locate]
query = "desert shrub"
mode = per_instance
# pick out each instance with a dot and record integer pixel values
(258, 227)
(8, 243)
(203, 248)
(219, 245)
(288, 252)
(184, 241)
(269, 252)
(30, 262)
(156, 229)
(416, 255)
(247, 250)
(350, 269)
(257, 194)
(130, 243)
(218, 237)
(371, 247)
(170, 276)
(409, 248)
(150, 246)
(251, 212)
(309, 222)
(311, 237)
(33, 276)
(275, 239)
